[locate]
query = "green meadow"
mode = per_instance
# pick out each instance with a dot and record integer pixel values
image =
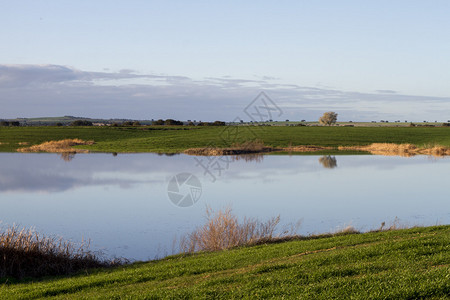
(398, 264)
(173, 139)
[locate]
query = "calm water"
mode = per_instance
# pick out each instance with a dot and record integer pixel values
(121, 202)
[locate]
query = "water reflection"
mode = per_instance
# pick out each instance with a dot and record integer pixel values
(167, 154)
(67, 156)
(255, 157)
(328, 162)
(121, 203)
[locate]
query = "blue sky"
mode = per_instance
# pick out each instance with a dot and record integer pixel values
(366, 60)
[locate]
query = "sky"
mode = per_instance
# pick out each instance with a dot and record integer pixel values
(208, 60)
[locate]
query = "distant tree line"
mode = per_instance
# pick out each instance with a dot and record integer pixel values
(81, 123)
(9, 123)
(190, 123)
(167, 122)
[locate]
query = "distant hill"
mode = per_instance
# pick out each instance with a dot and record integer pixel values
(66, 120)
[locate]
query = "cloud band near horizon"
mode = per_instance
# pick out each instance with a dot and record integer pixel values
(55, 90)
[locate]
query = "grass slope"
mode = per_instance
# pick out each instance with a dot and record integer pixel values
(399, 264)
(171, 139)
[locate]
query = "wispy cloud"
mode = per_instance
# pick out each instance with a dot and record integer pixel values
(50, 90)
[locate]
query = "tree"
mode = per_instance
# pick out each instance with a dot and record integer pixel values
(158, 122)
(172, 122)
(328, 118)
(81, 123)
(218, 123)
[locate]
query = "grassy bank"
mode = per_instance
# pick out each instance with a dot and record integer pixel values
(399, 264)
(171, 139)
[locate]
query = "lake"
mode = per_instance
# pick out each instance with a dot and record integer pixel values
(135, 205)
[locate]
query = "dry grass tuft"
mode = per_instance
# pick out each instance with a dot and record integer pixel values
(436, 151)
(26, 253)
(395, 225)
(223, 230)
(349, 229)
(305, 148)
(249, 147)
(405, 150)
(58, 146)
(254, 157)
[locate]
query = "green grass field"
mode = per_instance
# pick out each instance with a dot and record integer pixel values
(171, 139)
(400, 264)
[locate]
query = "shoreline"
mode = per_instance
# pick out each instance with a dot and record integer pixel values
(385, 149)
(249, 148)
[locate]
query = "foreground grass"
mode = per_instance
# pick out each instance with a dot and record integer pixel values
(172, 139)
(400, 264)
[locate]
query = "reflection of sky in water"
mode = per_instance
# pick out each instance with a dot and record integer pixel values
(121, 203)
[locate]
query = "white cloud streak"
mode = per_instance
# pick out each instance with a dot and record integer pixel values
(52, 90)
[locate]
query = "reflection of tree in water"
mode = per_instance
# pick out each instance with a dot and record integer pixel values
(67, 156)
(168, 154)
(328, 161)
(256, 157)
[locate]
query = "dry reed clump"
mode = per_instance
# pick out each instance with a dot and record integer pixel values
(349, 229)
(436, 151)
(248, 147)
(58, 146)
(256, 157)
(305, 148)
(26, 253)
(223, 230)
(395, 225)
(251, 147)
(386, 149)
(405, 150)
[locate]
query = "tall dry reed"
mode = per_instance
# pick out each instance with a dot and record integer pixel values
(223, 230)
(26, 253)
